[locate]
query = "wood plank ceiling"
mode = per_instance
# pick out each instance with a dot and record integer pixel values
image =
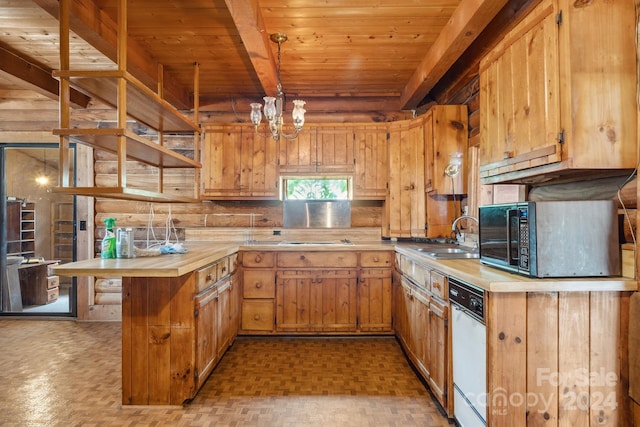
(375, 57)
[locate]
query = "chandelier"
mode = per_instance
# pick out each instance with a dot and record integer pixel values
(273, 106)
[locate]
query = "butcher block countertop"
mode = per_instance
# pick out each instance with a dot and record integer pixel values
(495, 280)
(202, 253)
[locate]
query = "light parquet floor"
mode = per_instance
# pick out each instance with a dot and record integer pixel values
(65, 373)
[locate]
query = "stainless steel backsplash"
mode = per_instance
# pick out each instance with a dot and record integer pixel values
(316, 214)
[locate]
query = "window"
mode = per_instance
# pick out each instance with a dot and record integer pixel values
(305, 188)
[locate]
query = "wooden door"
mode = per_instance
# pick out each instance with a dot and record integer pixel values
(335, 150)
(374, 310)
(400, 317)
(206, 330)
(221, 162)
(404, 301)
(419, 324)
(225, 333)
(405, 203)
(318, 300)
(438, 349)
(519, 97)
(238, 164)
(235, 304)
(371, 168)
(446, 135)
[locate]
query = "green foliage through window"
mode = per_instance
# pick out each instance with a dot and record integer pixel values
(317, 189)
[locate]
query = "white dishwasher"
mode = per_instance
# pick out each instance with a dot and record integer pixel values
(469, 353)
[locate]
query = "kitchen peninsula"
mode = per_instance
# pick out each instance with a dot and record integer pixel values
(531, 324)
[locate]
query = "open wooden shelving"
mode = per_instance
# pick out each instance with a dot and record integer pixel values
(143, 104)
(132, 100)
(138, 147)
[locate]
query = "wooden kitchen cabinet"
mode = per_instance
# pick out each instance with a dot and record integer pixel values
(558, 95)
(374, 300)
(258, 292)
(206, 331)
(316, 301)
(404, 211)
(446, 135)
(422, 324)
(371, 169)
(225, 333)
(237, 164)
(319, 149)
(438, 349)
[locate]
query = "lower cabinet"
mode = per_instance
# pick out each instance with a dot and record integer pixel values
(339, 292)
(316, 301)
(421, 325)
(375, 311)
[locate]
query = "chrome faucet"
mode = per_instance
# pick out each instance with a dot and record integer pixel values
(454, 226)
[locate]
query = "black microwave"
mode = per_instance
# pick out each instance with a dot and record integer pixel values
(575, 238)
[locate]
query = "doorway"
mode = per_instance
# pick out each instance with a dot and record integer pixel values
(39, 231)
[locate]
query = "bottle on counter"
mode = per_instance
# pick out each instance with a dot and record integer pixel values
(124, 243)
(109, 240)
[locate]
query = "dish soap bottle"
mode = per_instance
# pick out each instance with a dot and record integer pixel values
(109, 241)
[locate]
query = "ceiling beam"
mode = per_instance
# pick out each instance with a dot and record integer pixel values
(320, 104)
(466, 23)
(100, 31)
(248, 20)
(37, 78)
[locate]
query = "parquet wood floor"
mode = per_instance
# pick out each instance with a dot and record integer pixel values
(64, 373)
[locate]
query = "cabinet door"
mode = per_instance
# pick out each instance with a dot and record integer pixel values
(325, 149)
(438, 350)
(335, 150)
(371, 168)
(206, 334)
(238, 163)
(235, 304)
(400, 317)
(225, 332)
(446, 135)
(519, 97)
(405, 204)
(374, 310)
(316, 301)
(419, 325)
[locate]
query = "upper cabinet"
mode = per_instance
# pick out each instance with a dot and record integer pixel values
(446, 136)
(404, 212)
(557, 95)
(372, 162)
(238, 164)
(319, 150)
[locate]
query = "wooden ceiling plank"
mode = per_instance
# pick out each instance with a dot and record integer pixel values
(466, 23)
(100, 31)
(250, 25)
(39, 79)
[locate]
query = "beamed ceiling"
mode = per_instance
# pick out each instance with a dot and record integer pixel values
(358, 58)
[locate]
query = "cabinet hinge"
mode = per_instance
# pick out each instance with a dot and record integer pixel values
(561, 136)
(446, 323)
(559, 18)
(195, 312)
(388, 136)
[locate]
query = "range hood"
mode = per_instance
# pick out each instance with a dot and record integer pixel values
(316, 214)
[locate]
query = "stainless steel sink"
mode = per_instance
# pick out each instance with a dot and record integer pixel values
(446, 252)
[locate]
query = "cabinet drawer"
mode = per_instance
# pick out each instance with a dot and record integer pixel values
(206, 277)
(258, 284)
(222, 268)
(233, 263)
(257, 315)
(439, 285)
(376, 259)
(53, 282)
(52, 295)
(258, 259)
(317, 259)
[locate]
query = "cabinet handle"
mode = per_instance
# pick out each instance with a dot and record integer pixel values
(224, 269)
(376, 259)
(258, 258)
(256, 317)
(436, 285)
(259, 285)
(208, 277)
(302, 257)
